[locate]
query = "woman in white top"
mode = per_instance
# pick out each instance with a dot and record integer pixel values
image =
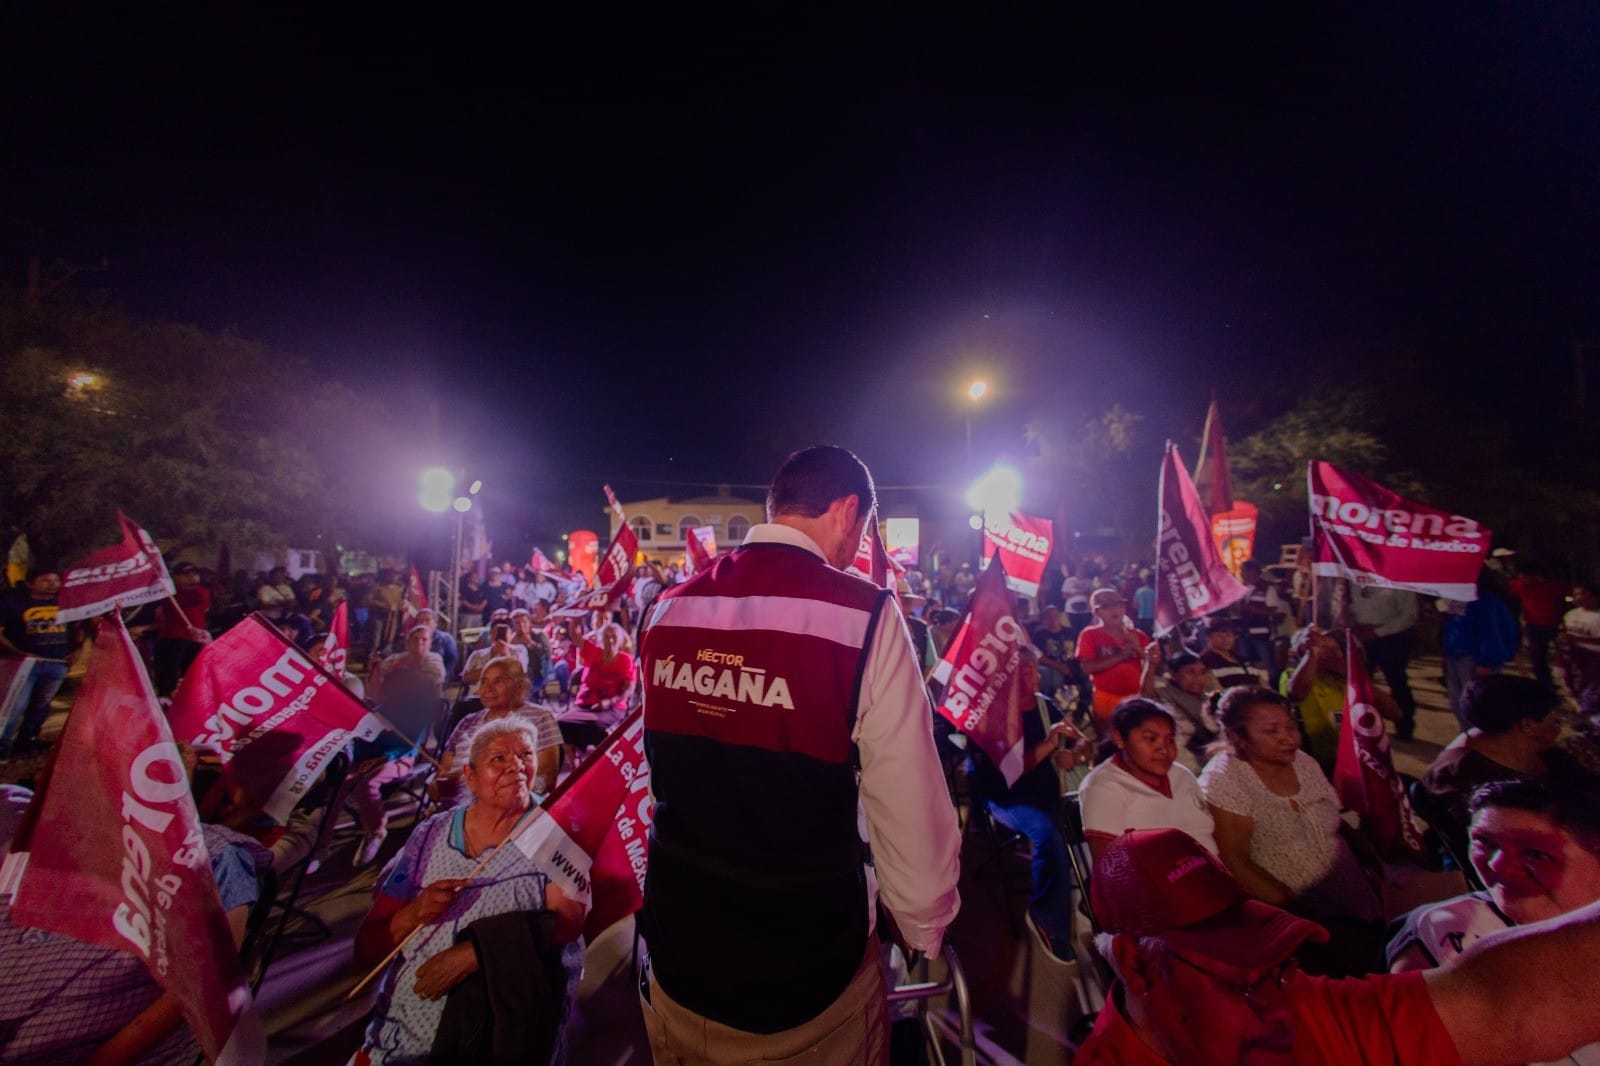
(1143, 786)
(1278, 824)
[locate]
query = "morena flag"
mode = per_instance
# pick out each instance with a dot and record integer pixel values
(1363, 774)
(700, 549)
(1191, 579)
(1023, 543)
(1363, 531)
(980, 674)
(127, 574)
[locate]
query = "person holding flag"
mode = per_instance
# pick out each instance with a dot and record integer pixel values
(781, 699)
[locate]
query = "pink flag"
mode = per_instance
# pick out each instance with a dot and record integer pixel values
(1212, 478)
(1364, 773)
(542, 565)
(1023, 543)
(275, 716)
(335, 650)
(872, 558)
(980, 675)
(117, 858)
(125, 575)
(1191, 578)
(1362, 531)
(700, 549)
(592, 837)
(416, 599)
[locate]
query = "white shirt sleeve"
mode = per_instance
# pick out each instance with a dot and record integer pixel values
(911, 824)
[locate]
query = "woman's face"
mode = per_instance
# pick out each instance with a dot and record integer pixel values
(1151, 746)
(608, 640)
(498, 688)
(1270, 735)
(1532, 869)
(503, 772)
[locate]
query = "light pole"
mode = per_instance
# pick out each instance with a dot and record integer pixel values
(975, 392)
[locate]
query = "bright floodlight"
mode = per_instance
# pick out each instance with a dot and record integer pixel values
(477, 487)
(997, 492)
(976, 390)
(975, 521)
(437, 486)
(462, 504)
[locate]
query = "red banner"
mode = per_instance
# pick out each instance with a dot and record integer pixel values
(1212, 478)
(1191, 580)
(592, 839)
(980, 675)
(617, 564)
(273, 714)
(335, 651)
(1023, 544)
(1364, 773)
(1362, 531)
(1234, 532)
(872, 558)
(700, 549)
(125, 575)
(117, 858)
(542, 565)
(583, 552)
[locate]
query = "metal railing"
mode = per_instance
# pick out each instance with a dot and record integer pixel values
(954, 984)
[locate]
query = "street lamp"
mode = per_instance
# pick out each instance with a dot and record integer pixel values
(998, 491)
(976, 391)
(438, 485)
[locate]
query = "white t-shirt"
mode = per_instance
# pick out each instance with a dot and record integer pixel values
(1295, 838)
(1076, 590)
(1583, 626)
(1114, 801)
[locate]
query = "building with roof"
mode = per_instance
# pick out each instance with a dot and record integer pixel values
(661, 523)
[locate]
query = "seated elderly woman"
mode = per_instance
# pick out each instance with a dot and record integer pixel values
(1536, 847)
(1142, 785)
(474, 916)
(1513, 735)
(608, 675)
(1278, 828)
(504, 688)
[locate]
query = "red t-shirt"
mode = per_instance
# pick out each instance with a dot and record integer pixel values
(1544, 600)
(603, 680)
(1121, 679)
(1387, 1020)
(195, 601)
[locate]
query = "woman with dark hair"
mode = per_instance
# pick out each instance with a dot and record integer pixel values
(1143, 786)
(1277, 821)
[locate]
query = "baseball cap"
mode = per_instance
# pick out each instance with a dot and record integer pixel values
(1105, 598)
(1162, 883)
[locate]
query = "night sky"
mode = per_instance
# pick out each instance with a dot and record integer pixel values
(639, 245)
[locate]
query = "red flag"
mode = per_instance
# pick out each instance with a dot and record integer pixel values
(416, 599)
(617, 563)
(1023, 543)
(125, 575)
(980, 675)
(1362, 531)
(1235, 534)
(335, 650)
(1212, 478)
(592, 838)
(700, 549)
(118, 858)
(1191, 579)
(583, 552)
(872, 558)
(275, 716)
(542, 565)
(1364, 774)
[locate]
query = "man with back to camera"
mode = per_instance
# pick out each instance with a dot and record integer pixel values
(781, 696)
(1206, 977)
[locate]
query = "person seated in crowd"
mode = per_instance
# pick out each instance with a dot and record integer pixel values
(608, 676)
(1185, 686)
(525, 635)
(1278, 827)
(441, 886)
(1316, 686)
(499, 647)
(1513, 732)
(1112, 652)
(1578, 644)
(1536, 848)
(275, 596)
(441, 643)
(1142, 785)
(1207, 976)
(1221, 655)
(504, 688)
(67, 1001)
(1032, 806)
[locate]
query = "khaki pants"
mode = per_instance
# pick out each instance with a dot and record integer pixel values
(852, 1031)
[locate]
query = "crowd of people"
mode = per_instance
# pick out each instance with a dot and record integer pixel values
(1200, 763)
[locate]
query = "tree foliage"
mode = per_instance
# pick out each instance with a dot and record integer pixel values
(201, 437)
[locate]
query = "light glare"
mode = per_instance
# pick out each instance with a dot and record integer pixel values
(462, 504)
(977, 389)
(997, 492)
(437, 485)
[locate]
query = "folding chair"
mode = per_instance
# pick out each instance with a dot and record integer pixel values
(1095, 980)
(1447, 844)
(954, 984)
(1002, 845)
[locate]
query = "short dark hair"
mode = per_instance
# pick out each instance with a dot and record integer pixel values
(812, 478)
(1180, 660)
(1574, 809)
(944, 616)
(1134, 712)
(1495, 704)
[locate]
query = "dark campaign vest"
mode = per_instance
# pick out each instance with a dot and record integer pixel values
(755, 897)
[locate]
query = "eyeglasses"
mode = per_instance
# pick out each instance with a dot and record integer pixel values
(1273, 980)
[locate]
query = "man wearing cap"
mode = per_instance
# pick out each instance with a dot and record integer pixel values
(784, 710)
(1206, 977)
(1112, 651)
(180, 634)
